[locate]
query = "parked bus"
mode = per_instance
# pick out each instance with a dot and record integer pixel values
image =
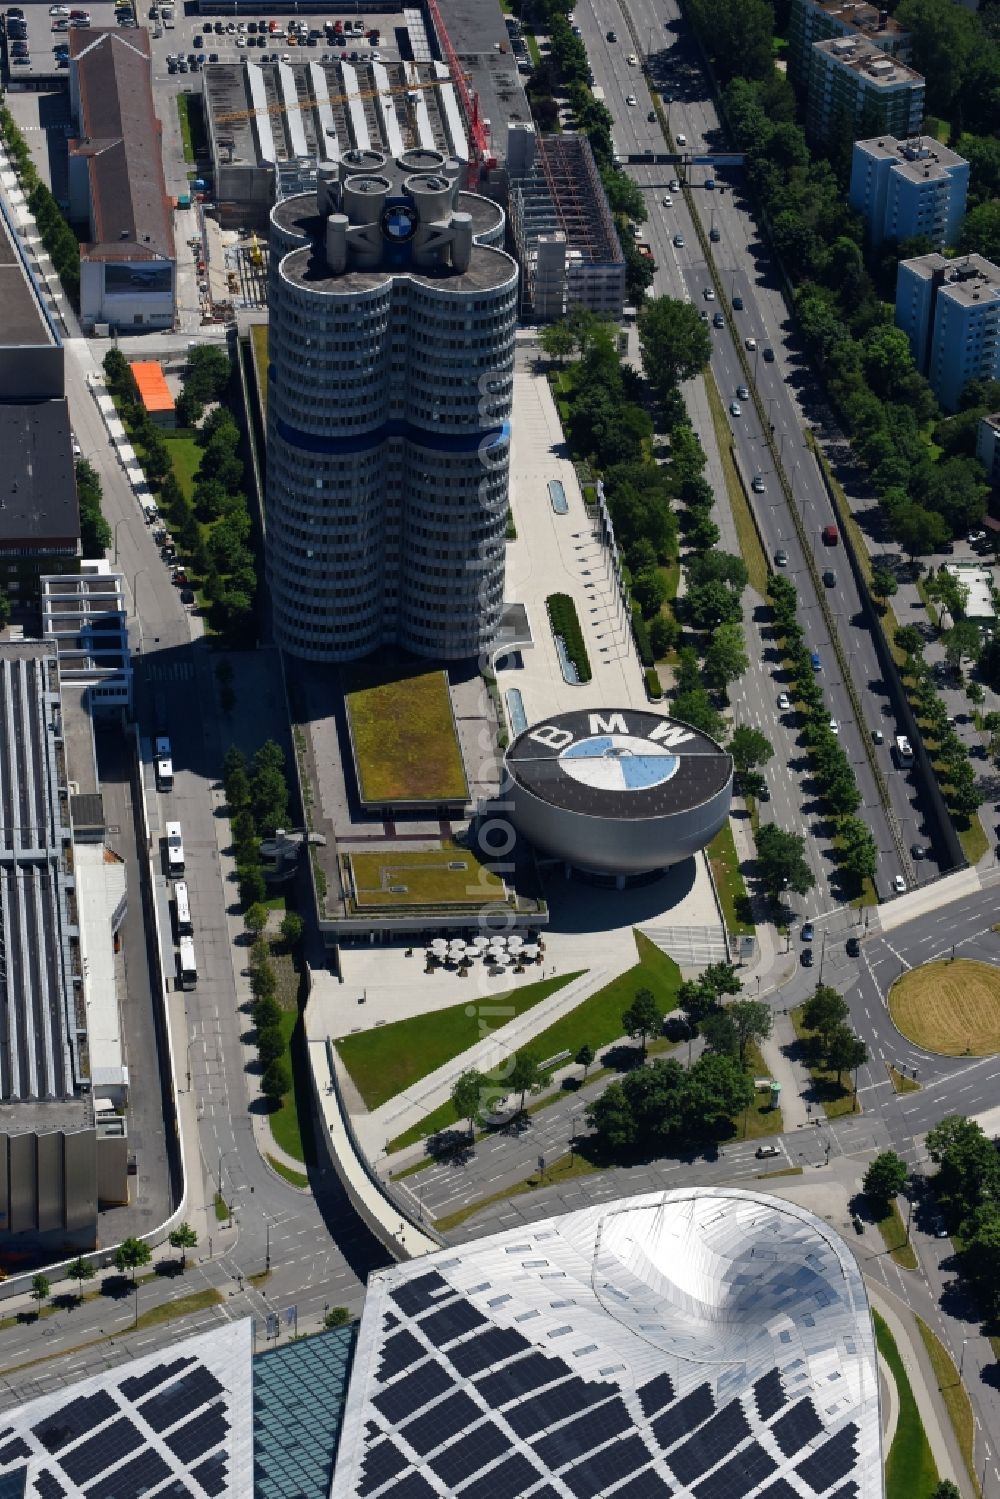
(175, 848)
(164, 763)
(187, 967)
(182, 909)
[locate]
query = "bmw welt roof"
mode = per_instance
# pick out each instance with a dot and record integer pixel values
(622, 764)
(704, 1342)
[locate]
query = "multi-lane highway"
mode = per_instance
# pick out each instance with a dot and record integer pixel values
(743, 270)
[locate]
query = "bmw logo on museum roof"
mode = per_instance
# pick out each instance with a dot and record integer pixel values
(623, 791)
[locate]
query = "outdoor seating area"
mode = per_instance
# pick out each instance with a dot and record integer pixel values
(514, 951)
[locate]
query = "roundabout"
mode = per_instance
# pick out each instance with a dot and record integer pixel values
(952, 1008)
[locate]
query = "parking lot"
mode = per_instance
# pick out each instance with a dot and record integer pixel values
(313, 38)
(46, 33)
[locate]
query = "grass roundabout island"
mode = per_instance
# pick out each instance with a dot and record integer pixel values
(952, 1008)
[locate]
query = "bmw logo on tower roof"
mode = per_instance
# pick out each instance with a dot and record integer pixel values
(621, 792)
(399, 222)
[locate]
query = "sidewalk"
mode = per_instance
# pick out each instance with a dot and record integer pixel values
(930, 1406)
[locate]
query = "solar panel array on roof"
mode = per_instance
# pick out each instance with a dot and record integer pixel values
(182, 1398)
(520, 1377)
(649, 1485)
(779, 1489)
(590, 1430)
(11, 1451)
(470, 1454)
(846, 1492)
(797, 1427)
(401, 1350)
(415, 1296)
(74, 1418)
(833, 1461)
(47, 1486)
(407, 1395)
(682, 1418)
(566, 1399)
(381, 1462)
(440, 1423)
(511, 1479)
(710, 1443)
(211, 1474)
(454, 1319)
(197, 1437)
(489, 1348)
(655, 1394)
(413, 1487)
(743, 1472)
(769, 1394)
(596, 1474)
(138, 1385)
(98, 1452)
(143, 1473)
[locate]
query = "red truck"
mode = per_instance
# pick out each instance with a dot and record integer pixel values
(830, 536)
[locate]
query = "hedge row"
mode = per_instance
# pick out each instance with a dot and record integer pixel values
(565, 623)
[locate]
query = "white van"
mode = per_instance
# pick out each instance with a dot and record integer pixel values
(175, 848)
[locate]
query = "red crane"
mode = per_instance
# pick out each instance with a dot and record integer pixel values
(470, 103)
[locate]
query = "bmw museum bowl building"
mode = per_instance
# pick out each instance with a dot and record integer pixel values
(617, 792)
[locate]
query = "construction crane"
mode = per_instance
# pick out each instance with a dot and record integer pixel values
(239, 116)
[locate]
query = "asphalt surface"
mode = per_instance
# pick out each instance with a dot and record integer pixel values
(785, 387)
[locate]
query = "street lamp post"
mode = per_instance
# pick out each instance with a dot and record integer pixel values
(121, 521)
(961, 1360)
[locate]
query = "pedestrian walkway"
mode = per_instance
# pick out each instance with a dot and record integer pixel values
(917, 1364)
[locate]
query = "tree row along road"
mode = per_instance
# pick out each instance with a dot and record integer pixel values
(682, 271)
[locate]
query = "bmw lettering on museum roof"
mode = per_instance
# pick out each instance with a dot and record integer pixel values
(618, 791)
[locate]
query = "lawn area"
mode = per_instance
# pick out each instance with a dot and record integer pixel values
(760, 1119)
(955, 1396)
(405, 745)
(291, 1123)
(900, 1082)
(192, 123)
(894, 1233)
(182, 1306)
(910, 1471)
(739, 502)
(185, 455)
(293, 1178)
(448, 875)
(561, 1170)
(950, 1008)
(183, 103)
(829, 1090)
(596, 1021)
(972, 837)
(384, 1061)
(729, 882)
(258, 339)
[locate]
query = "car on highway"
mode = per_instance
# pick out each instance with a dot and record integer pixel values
(768, 354)
(808, 932)
(781, 558)
(830, 578)
(681, 140)
(714, 235)
(708, 294)
(853, 947)
(718, 320)
(735, 409)
(938, 1228)
(817, 664)
(631, 100)
(899, 884)
(784, 701)
(612, 36)
(831, 536)
(674, 185)
(738, 302)
(710, 184)
(919, 851)
(757, 484)
(667, 202)
(877, 736)
(765, 1152)
(703, 314)
(750, 343)
(807, 957)
(651, 115)
(679, 241)
(834, 725)
(632, 60)
(742, 393)
(859, 1227)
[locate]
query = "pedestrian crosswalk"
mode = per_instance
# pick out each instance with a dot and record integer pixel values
(169, 671)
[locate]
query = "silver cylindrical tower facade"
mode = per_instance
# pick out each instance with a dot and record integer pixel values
(391, 353)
